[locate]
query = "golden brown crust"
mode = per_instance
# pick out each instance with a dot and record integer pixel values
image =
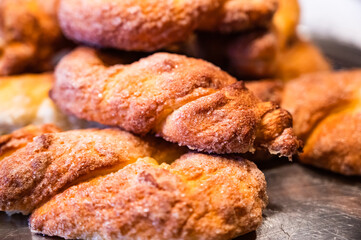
(336, 144)
(55, 161)
(326, 111)
(311, 98)
(196, 197)
(29, 35)
(20, 138)
(182, 99)
(150, 25)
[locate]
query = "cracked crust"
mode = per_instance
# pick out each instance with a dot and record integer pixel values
(144, 200)
(29, 35)
(150, 25)
(184, 100)
(54, 161)
(326, 109)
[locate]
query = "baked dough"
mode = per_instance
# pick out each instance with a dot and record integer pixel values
(196, 197)
(327, 116)
(184, 100)
(54, 161)
(20, 138)
(111, 184)
(149, 25)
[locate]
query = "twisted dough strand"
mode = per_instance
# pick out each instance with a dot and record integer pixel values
(184, 100)
(118, 189)
(50, 163)
(196, 197)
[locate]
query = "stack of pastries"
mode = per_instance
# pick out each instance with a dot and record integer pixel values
(167, 159)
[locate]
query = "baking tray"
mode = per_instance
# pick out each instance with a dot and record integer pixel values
(305, 203)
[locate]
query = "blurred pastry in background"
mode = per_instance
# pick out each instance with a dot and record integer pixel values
(273, 52)
(151, 25)
(267, 90)
(29, 35)
(301, 57)
(327, 116)
(285, 21)
(326, 109)
(24, 100)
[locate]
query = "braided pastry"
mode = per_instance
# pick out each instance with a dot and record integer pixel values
(184, 100)
(43, 166)
(148, 25)
(196, 197)
(327, 116)
(29, 35)
(113, 178)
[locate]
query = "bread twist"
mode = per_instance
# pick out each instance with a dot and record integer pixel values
(184, 100)
(148, 25)
(327, 116)
(107, 184)
(196, 197)
(42, 167)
